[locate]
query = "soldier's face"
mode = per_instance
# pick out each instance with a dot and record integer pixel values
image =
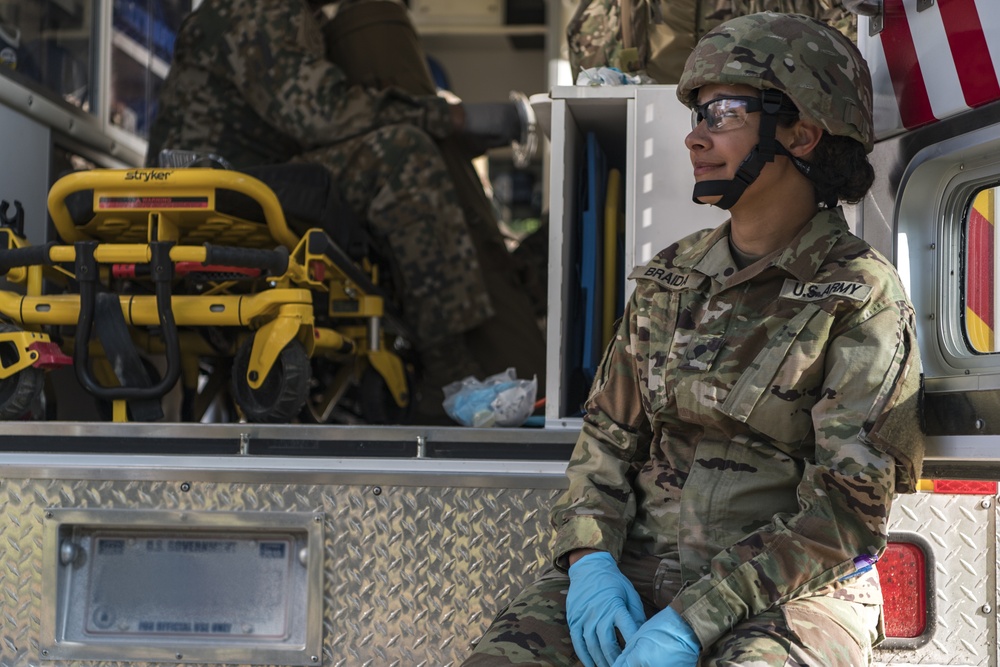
(720, 142)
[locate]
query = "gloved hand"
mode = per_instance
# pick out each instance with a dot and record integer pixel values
(600, 599)
(665, 639)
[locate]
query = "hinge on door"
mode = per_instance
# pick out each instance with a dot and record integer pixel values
(873, 10)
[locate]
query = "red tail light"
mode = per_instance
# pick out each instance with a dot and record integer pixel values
(905, 589)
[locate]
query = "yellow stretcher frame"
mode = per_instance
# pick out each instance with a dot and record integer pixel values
(138, 210)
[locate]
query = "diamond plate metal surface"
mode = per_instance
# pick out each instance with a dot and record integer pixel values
(413, 575)
(961, 530)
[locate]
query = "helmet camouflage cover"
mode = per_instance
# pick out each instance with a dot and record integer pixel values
(818, 68)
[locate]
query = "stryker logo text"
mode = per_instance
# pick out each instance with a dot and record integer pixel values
(147, 175)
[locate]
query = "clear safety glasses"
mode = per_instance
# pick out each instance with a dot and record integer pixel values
(725, 113)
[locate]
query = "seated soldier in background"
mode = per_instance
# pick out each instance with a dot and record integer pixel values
(251, 82)
(654, 37)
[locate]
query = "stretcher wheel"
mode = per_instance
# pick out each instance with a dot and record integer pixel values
(19, 391)
(281, 397)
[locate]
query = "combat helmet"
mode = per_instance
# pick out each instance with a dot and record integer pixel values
(815, 66)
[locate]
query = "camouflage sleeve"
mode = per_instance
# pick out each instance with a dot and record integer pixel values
(598, 508)
(844, 496)
(276, 53)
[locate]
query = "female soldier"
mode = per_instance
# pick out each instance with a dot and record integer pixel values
(756, 411)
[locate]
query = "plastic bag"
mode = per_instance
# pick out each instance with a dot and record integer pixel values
(610, 76)
(499, 400)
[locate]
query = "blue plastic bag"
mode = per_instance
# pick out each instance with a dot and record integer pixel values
(499, 400)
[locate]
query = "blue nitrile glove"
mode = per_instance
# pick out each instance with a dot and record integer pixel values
(600, 599)
(666, 638)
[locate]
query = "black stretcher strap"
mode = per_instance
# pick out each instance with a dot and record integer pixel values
(116, 340)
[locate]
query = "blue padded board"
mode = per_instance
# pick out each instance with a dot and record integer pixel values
(591, 259)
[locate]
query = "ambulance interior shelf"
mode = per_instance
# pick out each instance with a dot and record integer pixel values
(143, 44)
(53, 47)
(49, 44)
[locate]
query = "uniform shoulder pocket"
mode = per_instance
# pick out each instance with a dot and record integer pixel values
(775, 394)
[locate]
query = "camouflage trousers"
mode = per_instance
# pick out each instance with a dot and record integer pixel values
(499, 323)
(810, 632)
(396, 178)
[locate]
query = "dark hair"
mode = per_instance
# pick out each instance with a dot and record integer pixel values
(840, 167)
(841, 170)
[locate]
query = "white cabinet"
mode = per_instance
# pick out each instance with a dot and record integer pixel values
(641, 131)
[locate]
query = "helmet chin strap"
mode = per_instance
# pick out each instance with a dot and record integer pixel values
(765, 150)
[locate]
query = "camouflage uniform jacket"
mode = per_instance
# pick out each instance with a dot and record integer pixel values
(250, 82)
(733, 424)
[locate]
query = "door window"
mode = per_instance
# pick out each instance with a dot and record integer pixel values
(980, 293)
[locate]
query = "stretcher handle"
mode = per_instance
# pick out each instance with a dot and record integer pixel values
(275, 261)
(151, 181)
(13, 258)
(161, 270)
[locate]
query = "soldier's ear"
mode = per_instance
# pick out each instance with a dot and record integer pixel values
(803, 136)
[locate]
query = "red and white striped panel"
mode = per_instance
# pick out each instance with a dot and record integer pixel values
(934, 63)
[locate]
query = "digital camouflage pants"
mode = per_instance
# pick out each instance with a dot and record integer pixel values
(813, 632)
(482, 296)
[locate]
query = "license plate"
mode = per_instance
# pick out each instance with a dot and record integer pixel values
(189, 584)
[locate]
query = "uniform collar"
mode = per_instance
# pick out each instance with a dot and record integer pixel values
(802, 258)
